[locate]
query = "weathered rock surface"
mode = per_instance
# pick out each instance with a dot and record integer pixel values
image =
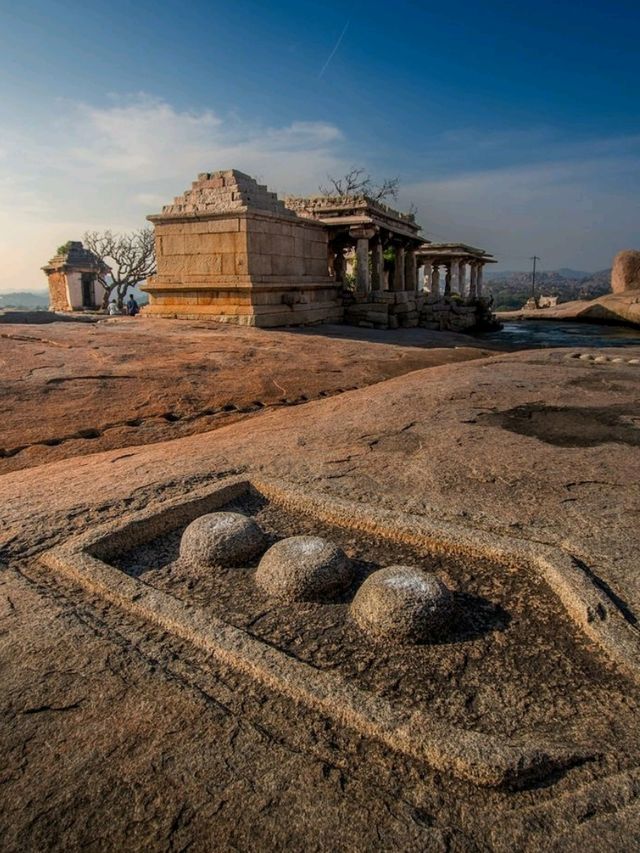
(625, 274)
(420, 443)
(72, 388)
(175, 750)
(612, 308)
(402, 604)
(221, 539)
(304, 568)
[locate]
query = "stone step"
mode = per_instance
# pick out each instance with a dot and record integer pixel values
(559, 819)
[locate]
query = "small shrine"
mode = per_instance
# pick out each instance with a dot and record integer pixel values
(73, 275)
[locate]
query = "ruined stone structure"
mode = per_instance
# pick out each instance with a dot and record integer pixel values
(535, 303)
(368, 228)
(453, 286)
(362, 233)
(229, 250)
(445, 268)
(73, 279)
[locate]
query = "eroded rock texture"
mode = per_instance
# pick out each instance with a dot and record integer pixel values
(625, 274)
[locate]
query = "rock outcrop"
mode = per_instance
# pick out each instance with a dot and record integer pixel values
(625, 274)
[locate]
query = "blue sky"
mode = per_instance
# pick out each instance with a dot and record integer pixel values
(511, 126)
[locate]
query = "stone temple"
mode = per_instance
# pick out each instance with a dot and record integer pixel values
(72, 275)
(229, 250)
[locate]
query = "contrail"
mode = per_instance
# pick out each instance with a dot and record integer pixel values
(333, 52)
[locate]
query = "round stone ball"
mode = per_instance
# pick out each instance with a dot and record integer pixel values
(402, 605)
(222, 539)
(304, 568)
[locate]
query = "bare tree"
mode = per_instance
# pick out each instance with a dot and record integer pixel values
(131, 258)
(359, 182)
(387, 189)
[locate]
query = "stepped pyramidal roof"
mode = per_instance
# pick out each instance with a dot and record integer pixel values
(225, 192)
(73, 255)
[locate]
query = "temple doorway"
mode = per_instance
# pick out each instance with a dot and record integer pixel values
(88, 300)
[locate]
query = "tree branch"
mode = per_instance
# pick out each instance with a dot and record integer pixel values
(357, 182)
(131, 258)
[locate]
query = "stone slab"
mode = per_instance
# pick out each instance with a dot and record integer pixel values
(475, 757)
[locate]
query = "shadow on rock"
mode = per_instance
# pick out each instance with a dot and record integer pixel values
(473, 617)
(571, 426)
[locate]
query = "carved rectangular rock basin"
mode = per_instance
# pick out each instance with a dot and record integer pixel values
(385, 701)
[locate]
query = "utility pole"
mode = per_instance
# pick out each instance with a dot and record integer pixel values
(533, 276)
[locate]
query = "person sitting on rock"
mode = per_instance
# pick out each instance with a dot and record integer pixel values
(113, 308)
(132, 306)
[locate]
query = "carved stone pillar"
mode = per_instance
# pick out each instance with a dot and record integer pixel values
(455, 276)
(479, 279)
(427, 276)
(398, 269)
(473, 283)
(363, 285)
(435, 279)
(447, 279)
(463, 278)
(410, 270)
(362, 235)
(377, 265)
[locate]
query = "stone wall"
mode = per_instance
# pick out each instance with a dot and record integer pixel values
(58, 299)
(384, 309)
(448, 314)
(236, 250)
(201, 252)
(408, 309)
(65, 291)
(248, 269)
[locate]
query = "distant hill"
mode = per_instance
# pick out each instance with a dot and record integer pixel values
(575, 275)
(39, 299)
(564, 273)
(596, 280)
(25, 299)
(511, 289)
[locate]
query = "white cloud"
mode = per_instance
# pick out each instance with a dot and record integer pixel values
(150, 200)
(149, 140)
(573, 212)
(109, 166)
